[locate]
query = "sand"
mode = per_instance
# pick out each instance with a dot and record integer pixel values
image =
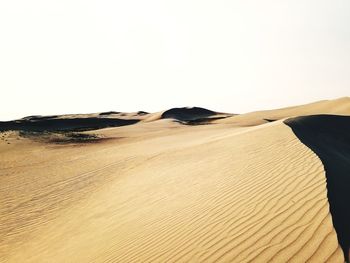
(161, 191)
(329, 137)
(339, 106)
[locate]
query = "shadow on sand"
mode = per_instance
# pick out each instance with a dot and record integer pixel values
(187, 114)
(40, 124)
(329, 137)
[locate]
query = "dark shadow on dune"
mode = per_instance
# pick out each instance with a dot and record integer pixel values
(187, 114)
(109, 113)
(329, 137)
(52, 124)
(269, 120)
(142, 113)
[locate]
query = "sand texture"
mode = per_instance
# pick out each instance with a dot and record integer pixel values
(162, 190)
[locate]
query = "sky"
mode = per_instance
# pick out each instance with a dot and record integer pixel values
(83, 56)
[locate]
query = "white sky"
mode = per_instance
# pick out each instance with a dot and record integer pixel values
(70, 56)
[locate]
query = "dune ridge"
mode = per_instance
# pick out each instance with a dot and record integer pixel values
(339, 106)
(187, 114)
(258, 196)
(161, 190)
(85, 122)
(329, 137)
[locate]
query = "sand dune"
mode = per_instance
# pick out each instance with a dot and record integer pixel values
(85, 122)
(187, 114)
(75, 124)
(339, 106)
(162, 191)
(329, 137)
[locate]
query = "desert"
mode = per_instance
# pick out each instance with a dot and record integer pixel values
(182, 185)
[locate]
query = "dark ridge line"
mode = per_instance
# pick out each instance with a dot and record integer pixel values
(328, 136)
(109, 113)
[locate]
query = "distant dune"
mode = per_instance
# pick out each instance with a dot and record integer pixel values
(181, 185)
(85, 122)
(187, 114)
(339, 106)
(53, 124)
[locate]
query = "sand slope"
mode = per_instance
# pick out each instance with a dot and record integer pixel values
(339, 106)
(329, 137)
(209, 193)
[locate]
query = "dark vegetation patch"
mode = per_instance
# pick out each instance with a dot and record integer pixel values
(61, 137)
(329, 137)
(49, 129)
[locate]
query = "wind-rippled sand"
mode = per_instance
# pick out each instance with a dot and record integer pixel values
(164, 192)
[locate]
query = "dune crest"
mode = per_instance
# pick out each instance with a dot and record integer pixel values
(329, 137)
(339, 106)
(187, 114)
(166, 189)
(259, 195)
